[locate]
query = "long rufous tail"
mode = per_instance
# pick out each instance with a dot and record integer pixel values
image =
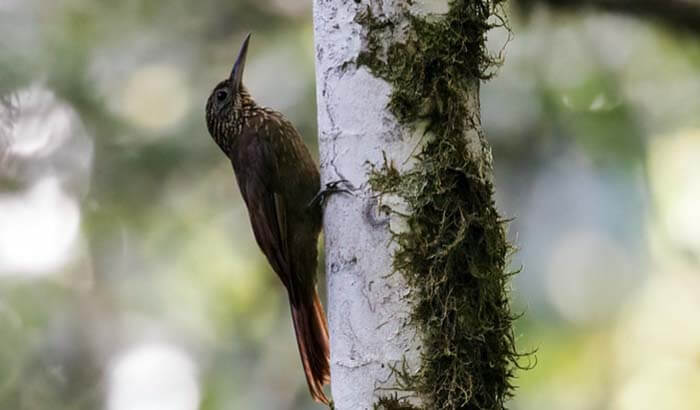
(312, 338)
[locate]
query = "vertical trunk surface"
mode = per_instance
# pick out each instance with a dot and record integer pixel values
(367, 308)
(369, 303)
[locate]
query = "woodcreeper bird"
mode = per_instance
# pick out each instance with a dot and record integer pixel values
(280, 183)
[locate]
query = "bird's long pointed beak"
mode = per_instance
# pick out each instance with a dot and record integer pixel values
(237, 71)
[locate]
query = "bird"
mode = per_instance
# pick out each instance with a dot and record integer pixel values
(280, 185)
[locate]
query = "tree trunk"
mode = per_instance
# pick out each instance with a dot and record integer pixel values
(367, 307)
(370, 134)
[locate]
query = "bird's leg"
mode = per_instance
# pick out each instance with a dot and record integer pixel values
(330, 189)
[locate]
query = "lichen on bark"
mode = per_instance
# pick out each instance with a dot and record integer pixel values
(454, 253)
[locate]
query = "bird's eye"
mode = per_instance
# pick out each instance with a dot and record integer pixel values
(221, 95)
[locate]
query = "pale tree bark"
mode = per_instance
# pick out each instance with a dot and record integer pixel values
(368, 304)
(367, 308)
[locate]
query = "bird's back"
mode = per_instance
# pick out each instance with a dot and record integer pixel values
(283, 157)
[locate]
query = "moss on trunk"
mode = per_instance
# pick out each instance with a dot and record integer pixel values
(454, 252)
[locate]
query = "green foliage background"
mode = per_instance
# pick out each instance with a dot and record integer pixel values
(595, 134)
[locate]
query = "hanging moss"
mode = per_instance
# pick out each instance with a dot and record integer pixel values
(454, 252)
(393, 403)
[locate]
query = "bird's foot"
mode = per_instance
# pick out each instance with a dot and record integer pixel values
(330, 189)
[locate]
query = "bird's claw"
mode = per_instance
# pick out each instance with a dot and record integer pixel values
(331, 188)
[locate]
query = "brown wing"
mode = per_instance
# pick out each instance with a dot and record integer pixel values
(266, 209)
(268, 217)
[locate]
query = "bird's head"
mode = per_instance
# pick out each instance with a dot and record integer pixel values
(225, 104)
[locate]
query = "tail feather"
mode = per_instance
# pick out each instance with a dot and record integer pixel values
(312, 338)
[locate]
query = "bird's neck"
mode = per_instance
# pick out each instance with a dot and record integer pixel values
(248, 104)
